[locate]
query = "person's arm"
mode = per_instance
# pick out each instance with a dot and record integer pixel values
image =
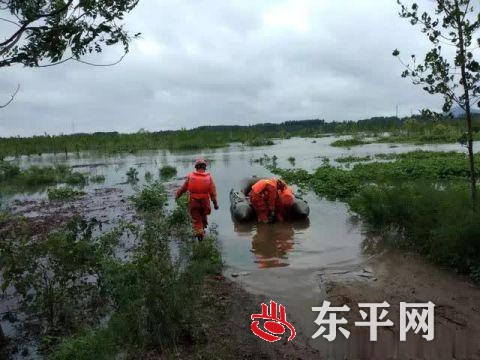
(183, 189)
(213, 194)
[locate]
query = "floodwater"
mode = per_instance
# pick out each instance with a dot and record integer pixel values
(286, 262)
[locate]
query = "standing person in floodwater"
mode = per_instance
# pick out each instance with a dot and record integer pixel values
(263, 197)
(201, 189)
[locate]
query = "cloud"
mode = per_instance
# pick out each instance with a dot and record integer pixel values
(230, 62)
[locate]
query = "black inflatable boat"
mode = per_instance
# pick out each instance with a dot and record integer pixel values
(242, 211)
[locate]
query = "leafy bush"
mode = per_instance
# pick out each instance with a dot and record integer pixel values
(152, 198)
(167, 172)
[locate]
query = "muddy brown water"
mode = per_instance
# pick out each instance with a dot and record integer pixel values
(297, 264)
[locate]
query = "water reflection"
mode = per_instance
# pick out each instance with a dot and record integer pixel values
(271, 243)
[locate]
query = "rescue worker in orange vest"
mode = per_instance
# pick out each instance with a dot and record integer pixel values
(263, 197)
(201, 189)
(285, 201)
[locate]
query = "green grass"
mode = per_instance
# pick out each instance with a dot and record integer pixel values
(63, 193)
(437, 223)
(352, 159)
(35, 177)
(98, 179)
(349, 142)
(151, 198)
(167, 172)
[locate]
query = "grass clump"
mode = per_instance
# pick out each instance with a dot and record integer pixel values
(352, 159)
(132, 175)
(259, 142)
(34, 177)
(97, 179)
(63, 193)
(349, 142)
(167, 172)
(152, 198)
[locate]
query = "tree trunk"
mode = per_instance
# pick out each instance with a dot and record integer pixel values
(461, 44)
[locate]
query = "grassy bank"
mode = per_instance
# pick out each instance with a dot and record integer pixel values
(418, 200)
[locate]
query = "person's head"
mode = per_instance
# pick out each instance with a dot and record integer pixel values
(200, 164)
(281, 185)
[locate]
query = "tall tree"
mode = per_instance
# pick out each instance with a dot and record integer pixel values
(454, 25)
(50, 32)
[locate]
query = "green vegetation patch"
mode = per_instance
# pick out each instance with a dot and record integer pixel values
(34, 177)
(151, 198)
(63, 193)
(349, 142)
(352, 159)
(167, 172)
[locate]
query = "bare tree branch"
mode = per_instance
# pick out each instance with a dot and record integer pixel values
(11, 98)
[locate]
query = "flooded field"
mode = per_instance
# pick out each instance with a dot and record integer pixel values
(297, 264)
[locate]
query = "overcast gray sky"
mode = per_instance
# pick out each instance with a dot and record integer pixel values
(228, 62)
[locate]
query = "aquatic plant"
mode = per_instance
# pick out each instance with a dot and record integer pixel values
(352, 159)
(349, 142)
(291, 160)
(167, 172)
(97, 179)
(151, 198)
(148, 176)
(63, 193)
(132, 175)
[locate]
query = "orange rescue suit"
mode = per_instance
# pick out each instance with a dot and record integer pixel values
(201, 188)
(263, 197)
(284, 203)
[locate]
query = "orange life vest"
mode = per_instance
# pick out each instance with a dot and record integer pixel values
(286, 196)
(260, 185)
(199, 184)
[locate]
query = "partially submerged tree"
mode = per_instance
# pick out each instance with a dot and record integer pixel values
(50, 32)
(453, 74)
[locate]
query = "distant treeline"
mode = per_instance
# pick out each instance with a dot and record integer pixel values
(214, 136)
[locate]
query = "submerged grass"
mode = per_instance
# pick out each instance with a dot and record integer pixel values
(63, 193)
(34, 177)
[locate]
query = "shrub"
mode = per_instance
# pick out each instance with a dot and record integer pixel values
(167, 172)
(152, 198)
